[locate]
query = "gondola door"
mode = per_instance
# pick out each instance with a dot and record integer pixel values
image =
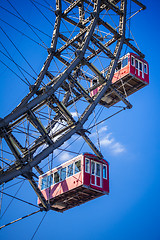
(96, 174)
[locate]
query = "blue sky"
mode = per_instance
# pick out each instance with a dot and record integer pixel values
(129, 141)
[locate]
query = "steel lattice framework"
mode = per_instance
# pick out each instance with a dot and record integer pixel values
(91, 37)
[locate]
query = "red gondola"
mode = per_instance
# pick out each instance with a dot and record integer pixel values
(132, 74)
(76, 181)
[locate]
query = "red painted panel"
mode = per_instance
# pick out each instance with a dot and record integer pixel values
(92, 179)
(86, 179)
(106, 185)
(134, 71)
(98, 181)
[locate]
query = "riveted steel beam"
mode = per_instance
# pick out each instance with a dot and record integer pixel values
(121, 97)
(139, 4)
(90, 143)
(80, 88)
(102, 47)
(73, 5)
(11, 143)
(31, 180)
(38, 125)
(111, 5)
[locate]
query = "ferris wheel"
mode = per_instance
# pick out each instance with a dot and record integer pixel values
(82, 72)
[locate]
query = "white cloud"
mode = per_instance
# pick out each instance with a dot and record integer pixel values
(74, 114)
(103, 129)
(108, 141)
(105, 141)
(117, 148)
(65, 156)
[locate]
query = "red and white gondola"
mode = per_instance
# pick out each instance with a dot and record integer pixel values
(132, 74)
(74, 182)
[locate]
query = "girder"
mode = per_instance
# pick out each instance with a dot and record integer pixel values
(33, 183)
(111, 5)
(68, 85)
(37, 124)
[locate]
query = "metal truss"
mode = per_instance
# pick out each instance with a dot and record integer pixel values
(51, 100)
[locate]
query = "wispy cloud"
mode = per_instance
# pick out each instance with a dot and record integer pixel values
(107, 140)
(65, 156)
(118, 148)
(74, 114)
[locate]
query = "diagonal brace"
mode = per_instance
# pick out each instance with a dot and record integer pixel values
(37, 124)
(120, 96)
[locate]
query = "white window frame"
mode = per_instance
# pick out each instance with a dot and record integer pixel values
(62, 173)
(46, 184)
(106, 171)
(139, 66)
(146, 68)
(94, 168)
(98, 164)
(133, 61)
(67, 170)
(59, 170)
(89, 165)
(75, 166)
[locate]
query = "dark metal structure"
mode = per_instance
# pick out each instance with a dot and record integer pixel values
(57, 92)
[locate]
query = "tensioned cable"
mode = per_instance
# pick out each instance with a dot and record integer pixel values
(49, 5)
(1, 166)
(13, 72)
(20, 199)
(98, 141)
(98, 113)
(20, 219)
(38, 226)
(44, 6)
(10, 57)
(41, 12)
(11, 200)
(18, 66)
(22, 33)
(18, 49)
(105, 119)
(14, 184)
(26, 23)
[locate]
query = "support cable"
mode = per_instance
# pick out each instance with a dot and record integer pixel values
(41, 12)
(14, 184)
(23, 34)
(106, 118)
(49, 6)
(18, 50)
(44, 6)
(10, 57)
(26, 23)
(19, 67)
(98, 141)
(98, 113)
(11, 200)
(20, 219)
(20, 199)
(38, 226)
(13, 72)
(29, 24)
